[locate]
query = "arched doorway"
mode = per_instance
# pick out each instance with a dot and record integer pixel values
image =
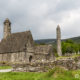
(30, 58)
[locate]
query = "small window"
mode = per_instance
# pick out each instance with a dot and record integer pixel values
(30, 58)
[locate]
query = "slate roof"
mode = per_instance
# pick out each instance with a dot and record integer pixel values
(15, 42)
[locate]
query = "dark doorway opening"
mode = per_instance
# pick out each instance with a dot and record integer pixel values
(30, 58)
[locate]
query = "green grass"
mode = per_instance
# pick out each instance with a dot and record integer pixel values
(55, 74)
(5, 67)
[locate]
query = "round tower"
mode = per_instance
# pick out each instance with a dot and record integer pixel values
(7, 28)
(59, 51)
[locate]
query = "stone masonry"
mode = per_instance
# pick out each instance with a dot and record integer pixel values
(20, 47)
(59, 51)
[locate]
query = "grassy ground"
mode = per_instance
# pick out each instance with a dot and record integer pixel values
(55, 74)
(5, 67)
(64, 57)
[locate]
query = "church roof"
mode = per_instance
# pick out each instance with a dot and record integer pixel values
(15, 42)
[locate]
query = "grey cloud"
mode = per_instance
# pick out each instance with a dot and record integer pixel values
(65, 5)
(41, 17)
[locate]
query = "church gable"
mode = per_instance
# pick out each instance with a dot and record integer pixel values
(16, 42)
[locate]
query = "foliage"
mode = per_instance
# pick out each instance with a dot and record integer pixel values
(69, 46)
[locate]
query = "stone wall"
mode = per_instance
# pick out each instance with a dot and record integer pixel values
(13, 57)
(68, 63)
(43, 53)
(32, 67)
(5, 57)
(18, 57)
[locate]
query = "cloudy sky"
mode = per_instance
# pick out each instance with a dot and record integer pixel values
(42, 17)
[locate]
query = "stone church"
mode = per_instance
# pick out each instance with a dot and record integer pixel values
(20, 47)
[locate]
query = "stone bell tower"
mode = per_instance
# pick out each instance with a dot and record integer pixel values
(7, 28)
(59, 51)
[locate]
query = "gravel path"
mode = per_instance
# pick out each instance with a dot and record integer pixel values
(6, 70)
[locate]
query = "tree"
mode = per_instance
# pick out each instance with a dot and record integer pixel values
(69, 46)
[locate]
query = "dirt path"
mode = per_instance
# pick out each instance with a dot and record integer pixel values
(6, 70)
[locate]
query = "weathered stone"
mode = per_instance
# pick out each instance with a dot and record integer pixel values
(68, 64)
(7, 28)
(19, 48)
(59, 51)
